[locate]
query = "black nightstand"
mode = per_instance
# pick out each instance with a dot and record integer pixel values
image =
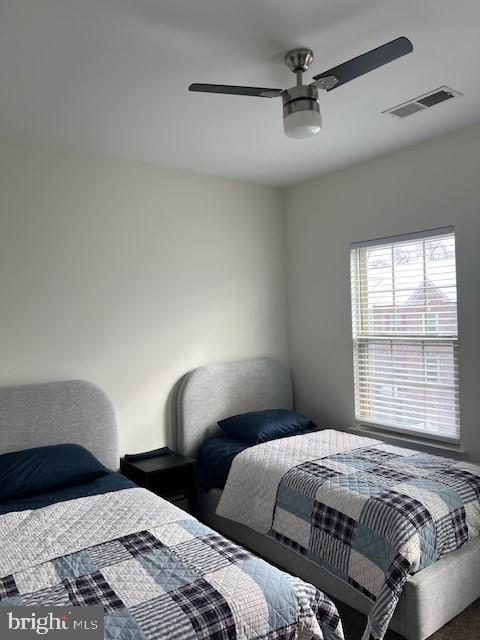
(170, 476)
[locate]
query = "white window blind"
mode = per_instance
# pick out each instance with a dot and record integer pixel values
(404, 312)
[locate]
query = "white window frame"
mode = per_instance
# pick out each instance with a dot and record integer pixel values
(359, 338)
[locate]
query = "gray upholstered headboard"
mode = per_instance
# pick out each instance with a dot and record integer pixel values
(213, 392)
(59, 412)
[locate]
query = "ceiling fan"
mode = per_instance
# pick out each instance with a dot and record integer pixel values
(301, 108)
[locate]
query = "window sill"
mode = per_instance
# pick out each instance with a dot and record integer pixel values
(411, 442)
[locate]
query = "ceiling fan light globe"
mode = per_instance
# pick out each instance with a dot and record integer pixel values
(302, 124)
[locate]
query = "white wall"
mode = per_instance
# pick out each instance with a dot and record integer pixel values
(433, 184)
(129, 275)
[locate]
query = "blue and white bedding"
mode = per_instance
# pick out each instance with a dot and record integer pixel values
(214, 459)
(370, 513)
(158, 572)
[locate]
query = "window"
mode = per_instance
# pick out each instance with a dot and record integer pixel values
(432, 368)
(404, 316)
(431, 322)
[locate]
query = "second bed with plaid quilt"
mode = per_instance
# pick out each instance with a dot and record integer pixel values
(370, 513)
(158, 573)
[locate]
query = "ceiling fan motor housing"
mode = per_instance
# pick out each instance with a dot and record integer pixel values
(300, 98)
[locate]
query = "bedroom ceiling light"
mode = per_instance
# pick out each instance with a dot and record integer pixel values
(303, 123)
(301, 108)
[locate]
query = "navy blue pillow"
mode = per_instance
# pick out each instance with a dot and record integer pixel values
(261, 426)
(35, 471)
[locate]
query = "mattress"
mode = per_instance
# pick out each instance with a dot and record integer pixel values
(157, 572)
(370, 513)
(429, 599)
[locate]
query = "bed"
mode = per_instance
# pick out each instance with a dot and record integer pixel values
(75, 533)
(430, 597)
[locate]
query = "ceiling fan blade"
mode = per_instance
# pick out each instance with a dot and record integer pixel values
(368, 62)
(261, 92)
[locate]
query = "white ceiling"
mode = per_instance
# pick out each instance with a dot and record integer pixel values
(111, 77)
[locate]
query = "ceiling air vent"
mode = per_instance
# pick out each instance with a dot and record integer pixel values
(421, 103)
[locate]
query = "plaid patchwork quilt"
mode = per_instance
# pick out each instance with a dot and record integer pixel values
(158, 572)
(370, 513)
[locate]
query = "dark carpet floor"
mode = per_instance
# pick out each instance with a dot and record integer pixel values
(466, 626)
